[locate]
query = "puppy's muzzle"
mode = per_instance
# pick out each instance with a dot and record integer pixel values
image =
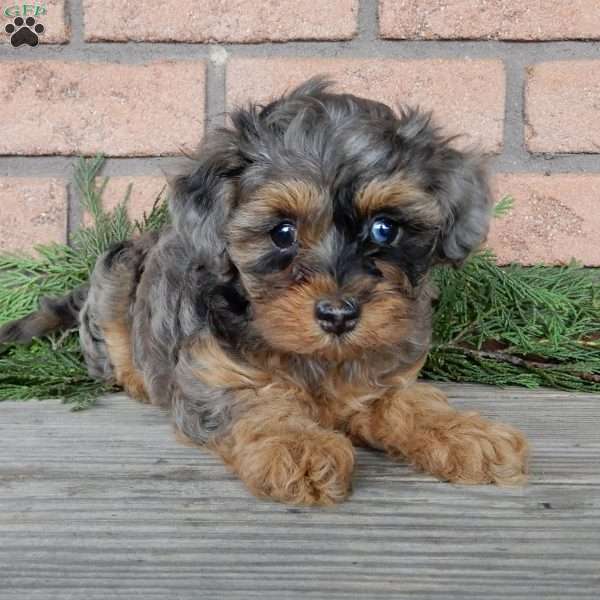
(337, 316)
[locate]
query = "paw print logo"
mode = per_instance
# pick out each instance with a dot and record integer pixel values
(24, 32)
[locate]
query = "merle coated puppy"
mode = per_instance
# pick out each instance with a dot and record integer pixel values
(286, 313)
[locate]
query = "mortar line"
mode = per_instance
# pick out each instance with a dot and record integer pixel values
(367, 19)
(74, 212)
(61, 166)
(215, 89)
(514, 151)
(74, 18)
(360, 47)
(74, 14)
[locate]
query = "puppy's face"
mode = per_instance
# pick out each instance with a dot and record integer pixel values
(330, 209)
(332, 271)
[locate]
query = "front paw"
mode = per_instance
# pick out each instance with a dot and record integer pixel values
(299, 467)
(470, 449)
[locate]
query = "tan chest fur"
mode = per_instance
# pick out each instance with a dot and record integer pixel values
(329, 393)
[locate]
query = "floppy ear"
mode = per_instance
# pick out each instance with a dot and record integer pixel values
(465, 193)
(458, 180)
(200, 202)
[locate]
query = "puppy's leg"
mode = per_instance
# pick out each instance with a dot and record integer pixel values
(417, 423)
(266, 431)
(281, 453)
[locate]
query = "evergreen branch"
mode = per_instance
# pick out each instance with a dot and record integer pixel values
(519, 361)
(501, 357)
(504, 206)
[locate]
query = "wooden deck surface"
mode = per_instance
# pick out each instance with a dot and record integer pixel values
(105, 504)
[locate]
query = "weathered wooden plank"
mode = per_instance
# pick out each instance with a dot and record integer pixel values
(105, 504)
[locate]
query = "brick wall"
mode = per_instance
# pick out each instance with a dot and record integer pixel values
(141, 82)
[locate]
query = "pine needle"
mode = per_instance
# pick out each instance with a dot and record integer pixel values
(528, 326)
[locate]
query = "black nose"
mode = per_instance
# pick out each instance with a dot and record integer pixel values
(337, 316)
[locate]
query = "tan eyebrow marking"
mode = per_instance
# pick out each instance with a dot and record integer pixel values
(299, 198)
(398, 192)
(305, 203)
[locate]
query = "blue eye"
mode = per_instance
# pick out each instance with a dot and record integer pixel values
(383, 231)
(284, 235)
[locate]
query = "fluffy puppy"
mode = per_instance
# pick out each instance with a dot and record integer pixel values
(286, 313)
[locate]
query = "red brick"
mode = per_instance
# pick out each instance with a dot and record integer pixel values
(56, 25)
(144, 191)
(85, 108)
(467, 96)
(34, 211)
(490, 19)
(562, 100)
(555, 218)
(223, 21)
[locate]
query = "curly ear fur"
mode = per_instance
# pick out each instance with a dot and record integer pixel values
(467, 197)
(202, 200)
(458, 180)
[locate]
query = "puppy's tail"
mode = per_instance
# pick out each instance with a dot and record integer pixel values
(54, 314)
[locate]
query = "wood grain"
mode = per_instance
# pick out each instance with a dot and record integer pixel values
(105, 504)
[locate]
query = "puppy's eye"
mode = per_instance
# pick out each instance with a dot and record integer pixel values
(284, 235)
(383, 231)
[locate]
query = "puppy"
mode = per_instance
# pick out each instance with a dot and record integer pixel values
(286, 313)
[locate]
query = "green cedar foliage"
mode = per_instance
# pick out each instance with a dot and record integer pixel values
(499, 325)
